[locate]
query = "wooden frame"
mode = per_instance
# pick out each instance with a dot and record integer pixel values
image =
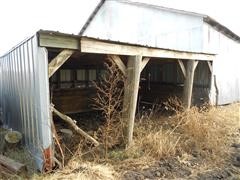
(89, 45)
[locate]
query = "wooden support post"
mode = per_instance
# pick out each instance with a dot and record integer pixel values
(188, 83)
(131, 95)
(58, 61)
(182, 67)
(119, 63)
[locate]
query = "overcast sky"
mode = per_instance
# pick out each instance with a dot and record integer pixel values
(22, 18)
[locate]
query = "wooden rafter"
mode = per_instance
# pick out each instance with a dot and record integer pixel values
(58, 61)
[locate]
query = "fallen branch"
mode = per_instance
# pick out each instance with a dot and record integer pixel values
(72, 122)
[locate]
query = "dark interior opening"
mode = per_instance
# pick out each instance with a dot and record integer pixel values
(72, 91)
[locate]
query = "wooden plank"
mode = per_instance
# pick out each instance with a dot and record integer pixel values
(11, 164)
(188, 83)
(102, 47)
(144, 63)
(58, 61)
(182, 67)
(210, 66)
(58, 40)
(131, 95)
(119, 63)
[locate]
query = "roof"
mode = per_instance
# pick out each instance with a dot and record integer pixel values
(209, 20)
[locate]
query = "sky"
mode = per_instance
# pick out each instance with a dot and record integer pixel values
(20, 19)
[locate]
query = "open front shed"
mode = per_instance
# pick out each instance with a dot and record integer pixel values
(161, 51)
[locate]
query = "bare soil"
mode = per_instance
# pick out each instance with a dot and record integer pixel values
(192, 167)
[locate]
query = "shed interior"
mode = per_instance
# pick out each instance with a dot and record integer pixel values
(72, 90)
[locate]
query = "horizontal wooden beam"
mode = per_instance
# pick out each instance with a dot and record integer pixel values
(58, 40)
(89, 45)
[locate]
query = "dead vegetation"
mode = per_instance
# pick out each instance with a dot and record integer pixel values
(198, 139)
(109, 100)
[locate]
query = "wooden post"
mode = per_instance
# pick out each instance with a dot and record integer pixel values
(188, 83)
(130, 95)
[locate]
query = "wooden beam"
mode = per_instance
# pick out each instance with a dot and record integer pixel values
(11, 164)
(89, 45)
(58, 61)
(188, 83)
(131, 95)
(210, 66)
(182, 67)
(119, 63)
(144, 63)
(58, 40)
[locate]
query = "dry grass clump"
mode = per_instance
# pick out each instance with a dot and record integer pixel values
(82, 171)
(161, 144)
(203, 131)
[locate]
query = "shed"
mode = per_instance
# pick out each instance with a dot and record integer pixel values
(166, 51)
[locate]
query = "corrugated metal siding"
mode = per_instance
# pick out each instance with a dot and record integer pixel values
(225, 66)
(147, 26)
(24, 95)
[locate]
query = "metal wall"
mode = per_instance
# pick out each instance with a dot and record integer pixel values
(146, 25)
(24, 96)
(225, 66)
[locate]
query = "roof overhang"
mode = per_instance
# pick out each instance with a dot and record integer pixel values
(52, 39)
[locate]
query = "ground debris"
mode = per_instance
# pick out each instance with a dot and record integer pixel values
(169, 168)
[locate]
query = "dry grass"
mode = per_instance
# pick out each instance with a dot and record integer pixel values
(205, 133)
(82, 171)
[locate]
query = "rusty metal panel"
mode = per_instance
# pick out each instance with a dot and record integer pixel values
(146, 25)
(24, 97)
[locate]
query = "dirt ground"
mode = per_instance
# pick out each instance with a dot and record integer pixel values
(140, 164)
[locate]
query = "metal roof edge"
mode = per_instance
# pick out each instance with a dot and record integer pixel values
(221, 28)
(19, 44)
(92, 15)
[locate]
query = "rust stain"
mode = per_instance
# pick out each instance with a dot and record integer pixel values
(48, 162)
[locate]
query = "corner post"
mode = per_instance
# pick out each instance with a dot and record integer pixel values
(130, 95)
(188, 83)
